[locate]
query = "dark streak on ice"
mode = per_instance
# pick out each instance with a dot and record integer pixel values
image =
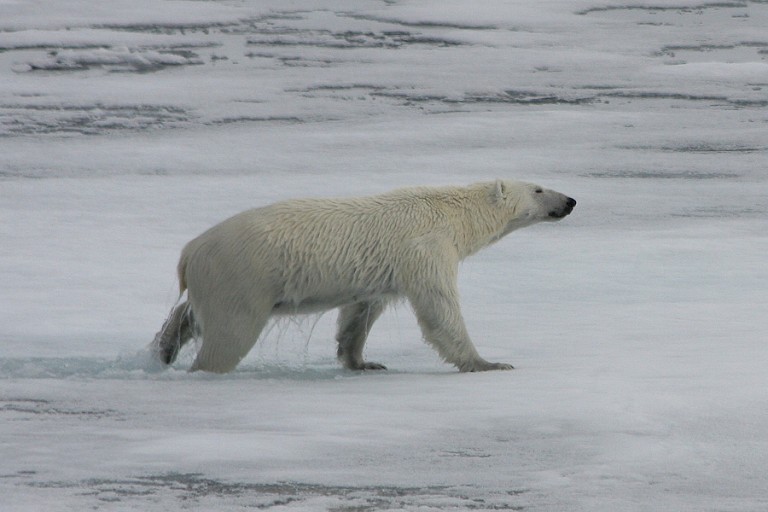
(191, 487)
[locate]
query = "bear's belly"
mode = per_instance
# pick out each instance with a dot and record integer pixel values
(319, 304)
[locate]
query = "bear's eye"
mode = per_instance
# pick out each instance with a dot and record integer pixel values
(539, 191)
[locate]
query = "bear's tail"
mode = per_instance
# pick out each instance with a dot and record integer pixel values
(177, 330)
(181, 272)
(180, 326)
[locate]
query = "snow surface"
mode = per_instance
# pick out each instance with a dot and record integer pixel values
(636, 325)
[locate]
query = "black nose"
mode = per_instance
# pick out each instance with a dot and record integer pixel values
(571, 202)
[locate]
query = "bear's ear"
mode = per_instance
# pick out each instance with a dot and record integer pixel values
(499, 193)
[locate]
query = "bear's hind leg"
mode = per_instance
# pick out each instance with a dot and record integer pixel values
(177, 330)
(228, 336)
(354, 324)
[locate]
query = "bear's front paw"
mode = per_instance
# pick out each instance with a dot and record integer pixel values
(484, 366)
(365, 365)
(499, 366)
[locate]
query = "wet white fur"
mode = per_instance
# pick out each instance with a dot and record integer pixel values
(358, 254)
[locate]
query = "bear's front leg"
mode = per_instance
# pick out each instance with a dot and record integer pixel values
(439, 314)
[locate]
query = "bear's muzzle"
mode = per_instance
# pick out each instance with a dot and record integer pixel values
(567, 209)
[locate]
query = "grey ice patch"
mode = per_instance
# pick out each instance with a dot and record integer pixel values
(16, 408)
(662, 175)
(195, 488)
(38, 118)
(114, 59)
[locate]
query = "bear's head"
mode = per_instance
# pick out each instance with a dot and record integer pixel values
(530, 203)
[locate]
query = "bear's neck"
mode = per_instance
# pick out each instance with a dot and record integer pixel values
(482, 226)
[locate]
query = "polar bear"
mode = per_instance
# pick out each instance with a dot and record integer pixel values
(357, 254)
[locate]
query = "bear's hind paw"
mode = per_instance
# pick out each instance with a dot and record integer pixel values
(372, 366)
(365, 366)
